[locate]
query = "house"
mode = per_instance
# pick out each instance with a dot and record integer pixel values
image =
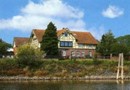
(71, 43)
(18, 41)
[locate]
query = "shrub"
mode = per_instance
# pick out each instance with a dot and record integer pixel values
(95, 60)
(28, 56)
(7, 64)
(41, 73)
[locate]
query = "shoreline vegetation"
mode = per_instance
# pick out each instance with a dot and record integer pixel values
(11, 78)
(52, 69)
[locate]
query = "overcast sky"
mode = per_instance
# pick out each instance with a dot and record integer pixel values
(19, 17)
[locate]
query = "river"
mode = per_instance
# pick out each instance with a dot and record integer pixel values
(64, 85)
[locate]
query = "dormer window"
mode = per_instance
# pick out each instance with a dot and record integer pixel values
(65, 34)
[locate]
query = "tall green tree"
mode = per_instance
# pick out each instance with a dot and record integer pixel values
(49, 42)
(106, 44)
(4, 47)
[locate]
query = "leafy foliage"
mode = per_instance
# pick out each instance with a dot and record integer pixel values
(124, 40)
(49, 42)
(106, 44)
(119, 48)
(110, 45)
(28, 56)
(3, 47)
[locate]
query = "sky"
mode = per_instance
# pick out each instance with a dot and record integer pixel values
(19, 17)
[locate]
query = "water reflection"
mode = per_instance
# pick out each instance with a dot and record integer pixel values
(64, 85)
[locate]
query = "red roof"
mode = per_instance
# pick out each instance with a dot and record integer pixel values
(81, 37)
(39, 34)
(20, 41)
(84, 37)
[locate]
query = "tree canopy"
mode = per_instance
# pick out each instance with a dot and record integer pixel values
(124, 40)
(106, 44)
(124, 44)
(4, 47)
(49, 42)
(110, 45)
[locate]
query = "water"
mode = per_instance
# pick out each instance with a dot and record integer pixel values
(64, 85)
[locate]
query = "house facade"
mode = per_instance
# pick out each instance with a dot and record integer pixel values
(71, 43)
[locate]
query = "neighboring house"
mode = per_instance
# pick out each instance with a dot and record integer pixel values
(18, 41)
(71, 43)
(36, 37)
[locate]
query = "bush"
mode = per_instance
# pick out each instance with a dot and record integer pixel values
(95, 60)
(28, 56)
(41, 73)
(7, 64)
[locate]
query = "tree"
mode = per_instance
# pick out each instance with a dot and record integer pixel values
(106, 44)
(124, 40)
(119, 48)
(122, 45)
(28, 56)
(49, 42)
(4, 47)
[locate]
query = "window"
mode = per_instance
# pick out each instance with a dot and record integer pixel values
(65, 34)
(90, 45)
(78, 54)
(73, 54)
(90, 53)
(66, 44)
(61, 43)
(83, 54)
(81, 45)
(63, 53)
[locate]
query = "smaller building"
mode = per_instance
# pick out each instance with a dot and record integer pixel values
(18, 41)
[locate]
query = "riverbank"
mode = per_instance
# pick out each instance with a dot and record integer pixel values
(13, 78)
(63, 69)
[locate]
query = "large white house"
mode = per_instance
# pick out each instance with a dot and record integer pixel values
(71, 43)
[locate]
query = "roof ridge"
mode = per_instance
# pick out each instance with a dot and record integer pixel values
(21, 37)
(38, 29)
(80, 31)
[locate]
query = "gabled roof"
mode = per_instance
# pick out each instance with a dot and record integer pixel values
(39, 34)
(84, 37)
(20, 41)
(81, 37)
(59, 32)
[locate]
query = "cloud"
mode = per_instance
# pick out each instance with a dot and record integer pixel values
(38, 15)
(112, 12)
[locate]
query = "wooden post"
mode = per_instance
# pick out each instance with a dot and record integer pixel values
(120, 70)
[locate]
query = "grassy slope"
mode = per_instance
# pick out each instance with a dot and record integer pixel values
(63, 68)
